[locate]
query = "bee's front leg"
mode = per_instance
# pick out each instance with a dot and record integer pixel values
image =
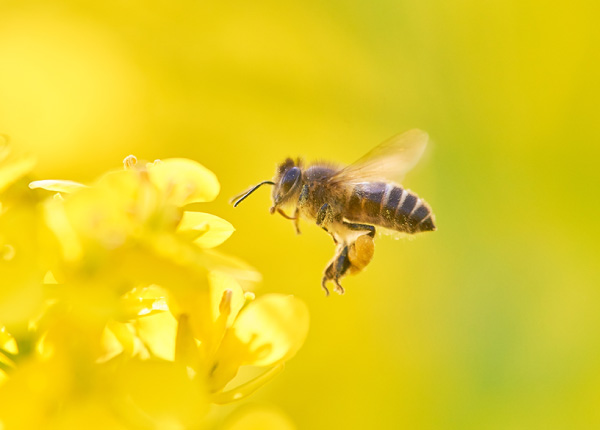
(302, 201)
(295, 218)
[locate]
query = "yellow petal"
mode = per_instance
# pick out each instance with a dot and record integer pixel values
(104, 216)
(267, 331)
(110, 346)
(7, 342)
(206, 230)
(5, 363)
(21, 294)
(90, 413)
(12, 167)
(158, 334)
(244, 390)
(259, 418)
(142, 301)
(34, 387)
(123, 333)
(273, 327)
(225, 305)
(243, 273)
(122, 338)
(124, 200)
(159, 394)
(226, 300)
(49, 278)
(57, 185)
(184, 181)
(58, 221)
(186, 348)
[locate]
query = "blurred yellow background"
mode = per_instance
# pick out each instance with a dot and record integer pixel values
(493, 321)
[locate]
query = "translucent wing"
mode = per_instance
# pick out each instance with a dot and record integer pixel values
(390, 160)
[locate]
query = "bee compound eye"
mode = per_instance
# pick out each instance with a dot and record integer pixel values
(290, 179)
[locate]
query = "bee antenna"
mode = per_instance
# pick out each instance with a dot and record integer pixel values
(240, 197)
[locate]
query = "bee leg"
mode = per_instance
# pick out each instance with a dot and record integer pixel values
(342, 263)
(336, 269)
(338, 287)
(295, 218)
(361, 253)
(331, 234)
(324, 215)
(323, 282)
(283, 214)
(303, 198)
(361, 227)
(324, 218)
(350, 259)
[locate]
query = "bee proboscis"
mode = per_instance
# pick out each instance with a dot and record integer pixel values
(350, 202)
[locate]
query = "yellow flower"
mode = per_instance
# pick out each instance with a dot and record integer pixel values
(241, 331)
(12, 165)
(258, 417)
(138, 322)
(20, 237)
(128, 229)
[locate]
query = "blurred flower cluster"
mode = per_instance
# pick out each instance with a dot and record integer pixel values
(115, 310)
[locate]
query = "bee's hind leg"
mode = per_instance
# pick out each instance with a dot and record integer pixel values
(361, 227)
(350, 259)
(336, 269)
(361, 253)
(362, 249)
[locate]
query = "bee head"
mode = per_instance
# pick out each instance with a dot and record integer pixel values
(288, 178)
(287, 182)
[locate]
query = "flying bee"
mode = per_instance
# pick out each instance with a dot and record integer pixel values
(350, 202)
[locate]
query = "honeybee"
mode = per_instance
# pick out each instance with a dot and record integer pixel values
(350, 202)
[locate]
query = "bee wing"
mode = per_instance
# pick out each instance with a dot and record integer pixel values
(390, 160)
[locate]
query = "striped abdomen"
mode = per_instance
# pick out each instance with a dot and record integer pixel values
(389, 206)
